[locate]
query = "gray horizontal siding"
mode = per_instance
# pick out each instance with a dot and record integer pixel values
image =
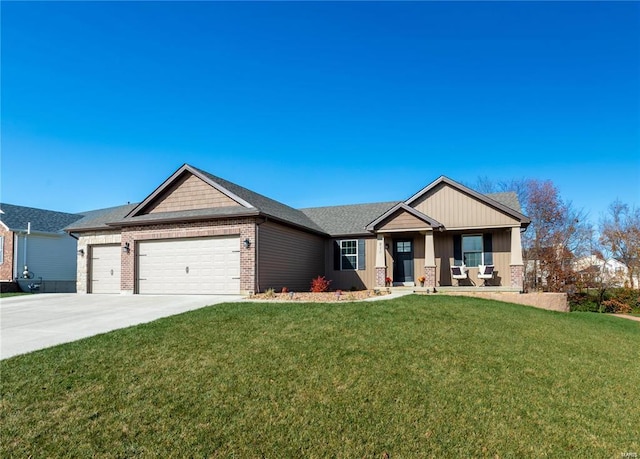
(288, 258)
(49, 257)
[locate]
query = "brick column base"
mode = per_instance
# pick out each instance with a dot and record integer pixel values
(430, 275)
(517, 276)
(381, 275)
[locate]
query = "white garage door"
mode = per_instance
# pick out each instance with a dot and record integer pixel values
(105, 269)
(189, 266)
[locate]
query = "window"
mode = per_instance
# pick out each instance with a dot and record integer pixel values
(403, 247)
(1, 249)
(472, 250)
(348, 255)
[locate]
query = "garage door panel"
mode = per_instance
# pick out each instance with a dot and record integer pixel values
(105, 269)
(196, 266)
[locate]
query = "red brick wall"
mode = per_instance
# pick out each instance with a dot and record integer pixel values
(6, 268)
(244, 227)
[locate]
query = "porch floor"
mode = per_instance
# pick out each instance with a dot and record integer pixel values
(455, 288)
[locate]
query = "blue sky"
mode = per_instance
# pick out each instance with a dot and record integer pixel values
(318, 104)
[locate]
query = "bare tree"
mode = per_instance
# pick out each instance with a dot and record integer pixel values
(620, 235)
(557, 235)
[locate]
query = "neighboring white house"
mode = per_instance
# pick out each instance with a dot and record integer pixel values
(34, 238)
(610, 271)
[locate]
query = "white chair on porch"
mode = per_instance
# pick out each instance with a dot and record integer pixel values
(485, 272)
(459, 273)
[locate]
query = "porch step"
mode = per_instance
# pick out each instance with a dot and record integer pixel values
(453, 289)
(477, 289)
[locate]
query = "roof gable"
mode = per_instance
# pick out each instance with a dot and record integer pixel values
(216, 198)
(187, 189)
(402, 217)
(457, 206)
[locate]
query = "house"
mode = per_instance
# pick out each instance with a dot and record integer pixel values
(198, 233)
(549, 268)
(594, 270)
(36, 251)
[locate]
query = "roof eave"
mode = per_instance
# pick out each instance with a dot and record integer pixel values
(169, 219)
(89, 228)
(270, 217)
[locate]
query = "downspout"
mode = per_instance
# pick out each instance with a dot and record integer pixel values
(16, 240)
(25, 244)
(257, 244)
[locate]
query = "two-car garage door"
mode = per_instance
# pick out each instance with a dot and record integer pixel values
(189, 266)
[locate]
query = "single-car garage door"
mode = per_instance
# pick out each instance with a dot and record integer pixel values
(105, 269)
(189, 266)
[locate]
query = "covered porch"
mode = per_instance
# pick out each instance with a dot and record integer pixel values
(423, 259)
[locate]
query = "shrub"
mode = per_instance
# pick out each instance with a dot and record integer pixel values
(320, 284)
(583, 302)
(616, 306)
(285, 290)
(629, 297)
(270, 293)
(616, 300)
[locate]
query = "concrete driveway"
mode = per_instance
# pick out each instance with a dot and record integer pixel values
(32, 322)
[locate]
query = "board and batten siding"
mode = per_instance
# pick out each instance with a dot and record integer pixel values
(190, 193)
(288, 258)
(348, 279)
(456, 209)
(501, 241)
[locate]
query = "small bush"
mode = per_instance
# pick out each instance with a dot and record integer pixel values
(616, 306)
(320, 284)
(269, 293)
(630, 297)
(583, 302)
(285, 290)
(616, 300)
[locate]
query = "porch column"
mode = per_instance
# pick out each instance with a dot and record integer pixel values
(429, 260)
(381, 265)
(517, 266)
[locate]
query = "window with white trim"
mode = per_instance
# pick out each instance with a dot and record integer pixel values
(1, 249)
(349, 255)
(472, 250)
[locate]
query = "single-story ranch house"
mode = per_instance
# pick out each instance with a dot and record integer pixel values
(201, 234)
(35, 251)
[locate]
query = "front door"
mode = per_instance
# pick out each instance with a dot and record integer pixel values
(403, 260)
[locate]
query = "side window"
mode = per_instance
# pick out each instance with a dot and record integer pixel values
(349, 255)
(1, 249)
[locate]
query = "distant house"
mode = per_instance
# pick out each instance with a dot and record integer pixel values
(198, 233)
(594, 270)
(548, 268)
(36, 251)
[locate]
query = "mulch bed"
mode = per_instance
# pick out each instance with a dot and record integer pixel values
(324, 297)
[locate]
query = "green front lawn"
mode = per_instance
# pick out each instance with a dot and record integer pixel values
(8, 294)
(420, 376)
